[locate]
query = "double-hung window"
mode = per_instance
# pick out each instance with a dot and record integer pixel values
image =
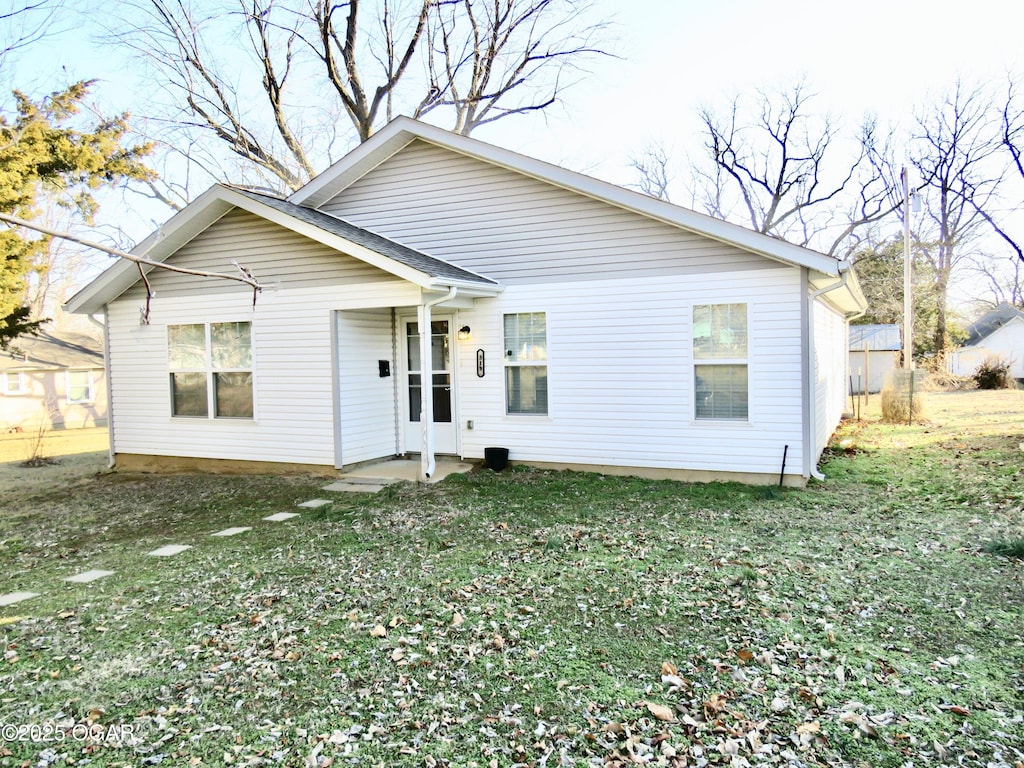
(15, 383)
(79, 387)
(720, 363)
(526, 363)
(211, 370)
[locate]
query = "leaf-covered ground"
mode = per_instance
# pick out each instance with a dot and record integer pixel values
(533, 618)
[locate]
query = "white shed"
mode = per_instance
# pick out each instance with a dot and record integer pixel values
(996, 334)
(434, 294)
(874, 351)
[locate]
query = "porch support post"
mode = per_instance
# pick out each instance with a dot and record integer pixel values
(427, 464)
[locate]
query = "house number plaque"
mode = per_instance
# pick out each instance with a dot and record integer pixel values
(480, 369)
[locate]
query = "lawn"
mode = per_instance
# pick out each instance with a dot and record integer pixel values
(532, 618)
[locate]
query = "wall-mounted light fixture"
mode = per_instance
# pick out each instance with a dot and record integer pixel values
(464, 333)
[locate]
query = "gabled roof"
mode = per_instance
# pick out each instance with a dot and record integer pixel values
(403, 130)
(879, 337)
(991, 322)
(49, 350)
(394, 258)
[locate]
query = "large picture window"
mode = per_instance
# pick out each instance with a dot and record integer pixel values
(720, 361)
(211, 370)
(526, 363)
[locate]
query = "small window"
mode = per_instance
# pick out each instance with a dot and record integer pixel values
(526, 363)
(15, 383)
(211, 370)
(721, 387)
(79, 387)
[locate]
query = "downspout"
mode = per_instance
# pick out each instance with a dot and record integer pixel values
(810, 461)
(106, 375)
(427, 462)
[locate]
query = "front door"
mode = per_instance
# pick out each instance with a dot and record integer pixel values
(439, 388)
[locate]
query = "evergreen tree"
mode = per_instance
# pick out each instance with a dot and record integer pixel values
(42, 153)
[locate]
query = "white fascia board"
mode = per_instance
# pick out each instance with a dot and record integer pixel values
(329, 239)
(402, 130)
(159, 245)
(198, 216)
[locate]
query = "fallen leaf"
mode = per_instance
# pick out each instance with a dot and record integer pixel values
(378, 631)
(661, 712)
(458, 619)
(668, 668)
(812, 727)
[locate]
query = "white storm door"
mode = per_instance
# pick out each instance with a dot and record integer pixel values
(439, 388)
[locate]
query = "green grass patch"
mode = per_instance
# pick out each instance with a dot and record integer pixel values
(531, 617)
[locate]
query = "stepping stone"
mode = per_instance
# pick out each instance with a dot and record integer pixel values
(313, 503)
(343, 486)
(169, 551)
(16, 597)
(231, 531)
(87, 576)
(280, 517)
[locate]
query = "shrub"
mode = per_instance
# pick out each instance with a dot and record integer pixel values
(994, 373)
(1006, 548)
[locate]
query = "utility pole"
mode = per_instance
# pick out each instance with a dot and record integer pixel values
(908, 278)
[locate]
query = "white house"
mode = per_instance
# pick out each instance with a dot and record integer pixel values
(52, 380)
(996, 334)
(874, 351)
(433, 294)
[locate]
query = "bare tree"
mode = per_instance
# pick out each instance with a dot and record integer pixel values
(489, 59)
(26, 22)
(307, 67)
(652, 169)
(789, 173)
(956, 151)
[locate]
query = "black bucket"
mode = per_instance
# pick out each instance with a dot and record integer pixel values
(496, 458)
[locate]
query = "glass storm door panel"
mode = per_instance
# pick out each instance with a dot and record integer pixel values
(439, 388)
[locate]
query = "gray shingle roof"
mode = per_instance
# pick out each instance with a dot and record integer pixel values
(991, 322)
(51, 350)
(376, 243)
(879, 337)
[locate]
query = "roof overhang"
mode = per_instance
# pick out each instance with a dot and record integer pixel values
(403, 130)
(208, 208)
(846, 294)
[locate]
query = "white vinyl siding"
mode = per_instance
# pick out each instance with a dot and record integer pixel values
(830, 372)
(367, 420)
(279, 258)
(291, 336)
(622, 360)
(516, 229)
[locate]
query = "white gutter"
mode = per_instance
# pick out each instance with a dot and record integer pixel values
(810, 461)
(427, 462)
(106, 375)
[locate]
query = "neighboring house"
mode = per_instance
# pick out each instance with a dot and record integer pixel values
(999, 334)
(434, 294)
(55, 380)
(874, 351)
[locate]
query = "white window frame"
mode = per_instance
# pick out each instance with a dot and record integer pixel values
(90, 392)
(527, 362)
(700, 362)
(210, 371)
(20, 378)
